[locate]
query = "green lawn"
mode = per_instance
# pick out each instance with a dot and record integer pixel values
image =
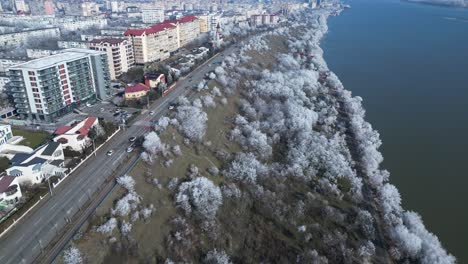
(32, 139)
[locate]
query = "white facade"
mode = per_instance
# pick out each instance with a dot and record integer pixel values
(33, 168)
(76, 136)
(40, 53)
(89, 9)
(72, 44)
(119, 54)
(152, 15)
(7, 63)
(3, 82)
(10, 191)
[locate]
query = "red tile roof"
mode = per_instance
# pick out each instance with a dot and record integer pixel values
(160, 27)
(5, 182)
(62, 130)
(139, 87)
(107, 40)
(151, 30)
(87, 125)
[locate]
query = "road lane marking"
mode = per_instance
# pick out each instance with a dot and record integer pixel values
(19, 239)
(53, 206)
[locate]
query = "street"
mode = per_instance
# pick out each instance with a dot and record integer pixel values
(25, 241)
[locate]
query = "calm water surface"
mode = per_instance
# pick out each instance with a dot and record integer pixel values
(410, 64)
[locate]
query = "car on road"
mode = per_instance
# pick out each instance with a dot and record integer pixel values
(88, 105)
(151, 113)
(110, 152)
(116, 114)
(132, 139)
(102, 109)
(129, 149)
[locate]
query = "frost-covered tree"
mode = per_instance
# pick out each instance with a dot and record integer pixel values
(200, 197)
(108, 226)
(192, 122)
(127, 182)
(72, 256)
(246, 168)
(216, 257)
(126, 204)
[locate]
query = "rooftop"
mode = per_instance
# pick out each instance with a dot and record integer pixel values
(5, 182)
(139, 87)
(108, 40)
(50, 61)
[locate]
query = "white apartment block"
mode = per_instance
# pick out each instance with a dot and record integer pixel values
(155, 43)
(264, 19)
(67, 23)
(89, 9)
(18, 38)
(47, 88)
(152, 15)
(119, 54)
(63, 44)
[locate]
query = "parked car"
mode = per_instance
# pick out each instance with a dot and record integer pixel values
(132, 139)
(110, 152)
(129, 149)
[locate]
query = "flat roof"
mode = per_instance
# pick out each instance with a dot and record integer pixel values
(49, 61)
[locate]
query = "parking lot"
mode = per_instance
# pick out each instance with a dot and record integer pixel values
(108, 111)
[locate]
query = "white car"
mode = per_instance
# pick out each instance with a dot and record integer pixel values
(110, 152)
(171, 107)
(129, 149)
(151, 112)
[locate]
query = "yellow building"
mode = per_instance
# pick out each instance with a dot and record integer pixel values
(136, 91)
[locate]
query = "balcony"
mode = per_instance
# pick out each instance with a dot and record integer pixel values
(22, 111)
(20, 100)
(19, 95)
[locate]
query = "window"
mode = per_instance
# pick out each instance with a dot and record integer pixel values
(31, 73)
(32, 78)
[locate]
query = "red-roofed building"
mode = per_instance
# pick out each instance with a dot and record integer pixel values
(136, 91)
(119, 51)
(10, 191)
(75, 135)
(156, 43)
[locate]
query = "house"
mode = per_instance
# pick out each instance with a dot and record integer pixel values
(153, 79)
(10, 191)
(75, 136)
(33, 168)
(5, 133)
(136, 91)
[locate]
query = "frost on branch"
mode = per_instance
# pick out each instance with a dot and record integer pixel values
(127, 182)
(216, 257)
(72, 256)
(108, 226)
(245, 168)
(200, 197)
(192, 122)
(126, 204)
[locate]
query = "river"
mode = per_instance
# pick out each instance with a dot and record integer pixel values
(409, 62)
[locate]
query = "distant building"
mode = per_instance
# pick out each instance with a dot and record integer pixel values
(89, 9)
(75, 136)
(49, 7)
(21, 37)
(188, 29)
(10, 191)
(264, 19)
(119, 54)
(136, 91)
(47, 88)
(20, 5)
(64, 44)
(152, 15)
(44, 162)
(40, 53)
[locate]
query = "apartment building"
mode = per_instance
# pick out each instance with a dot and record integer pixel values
(89, 9)
(152, 15)
(264, 19)
(49, 87)
(155, 43)
(119, 54)
(17, 38)
(188, 29)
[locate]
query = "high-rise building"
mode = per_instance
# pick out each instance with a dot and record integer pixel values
(119, 54)
(47, 88)
(152, 15)
(154, 43)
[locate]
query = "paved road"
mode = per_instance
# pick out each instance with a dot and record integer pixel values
(24, 242)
